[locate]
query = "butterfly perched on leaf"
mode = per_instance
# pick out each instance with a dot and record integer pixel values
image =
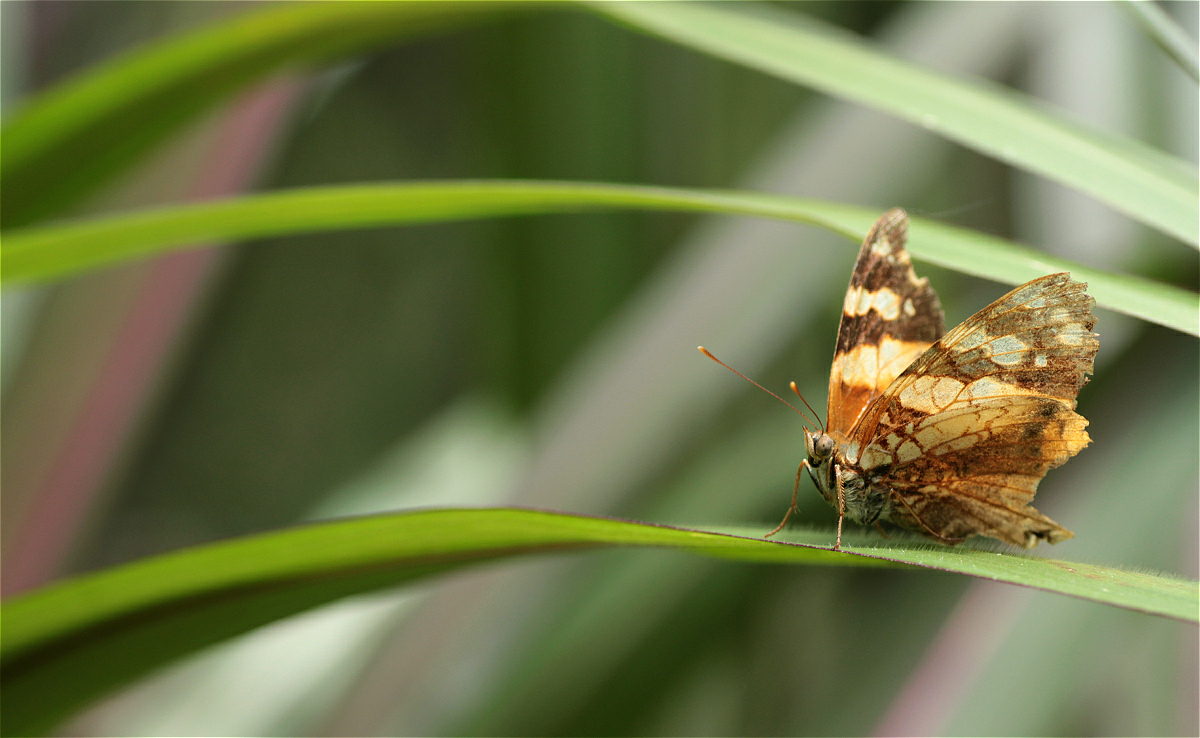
(948, 434)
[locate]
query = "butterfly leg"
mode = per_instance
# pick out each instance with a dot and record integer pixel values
(793, 508)
(841, 494)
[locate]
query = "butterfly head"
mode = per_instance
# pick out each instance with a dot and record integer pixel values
(819, 446)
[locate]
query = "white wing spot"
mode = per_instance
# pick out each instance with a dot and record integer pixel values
(863, 305)
(1023, 294)
(851, 302)
(987, 387)
(860, 302)
(1058, 314)
(1008, 350)
(946, 391)
(886, 303)
(971, 340)
(928, 437)
(907, 452)
(931, 394)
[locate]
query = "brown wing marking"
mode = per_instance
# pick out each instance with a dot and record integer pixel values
(974, 469)
(965, 434)
(1036, 340)
(889, 318)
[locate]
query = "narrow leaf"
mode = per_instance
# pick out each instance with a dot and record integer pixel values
(69, 140)
(1167, 34)
(1146, 184)
(64, 248)
(71, 642)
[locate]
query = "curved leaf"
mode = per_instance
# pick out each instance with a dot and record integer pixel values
(70, 139)
(70, 642)
(1144, 183)
(60, 249)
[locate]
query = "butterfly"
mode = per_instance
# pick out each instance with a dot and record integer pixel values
(949, 434)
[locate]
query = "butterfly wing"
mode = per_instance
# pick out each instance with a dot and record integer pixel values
(965, 434)
(889, 319)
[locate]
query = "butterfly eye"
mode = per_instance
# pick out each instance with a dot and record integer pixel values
(823, 447)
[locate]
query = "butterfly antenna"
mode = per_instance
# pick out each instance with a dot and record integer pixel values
(756, 384)
(810, 407)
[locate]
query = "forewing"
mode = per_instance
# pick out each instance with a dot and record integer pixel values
(889, 318)
(966, 433)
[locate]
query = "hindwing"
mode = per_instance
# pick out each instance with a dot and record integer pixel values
(964, 434)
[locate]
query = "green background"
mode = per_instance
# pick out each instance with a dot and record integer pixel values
(549, 360)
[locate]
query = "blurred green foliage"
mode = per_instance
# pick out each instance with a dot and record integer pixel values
(514, 360)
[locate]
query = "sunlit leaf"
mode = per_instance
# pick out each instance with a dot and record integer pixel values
(1142, 182)
(56, 250)
(70, 642)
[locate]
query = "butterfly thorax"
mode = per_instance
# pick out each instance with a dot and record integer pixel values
(833, 456)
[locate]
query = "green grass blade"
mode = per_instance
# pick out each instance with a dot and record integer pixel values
(986, 256)
(1167, 35)
(70, 642)
(60, 249)
(71, 139)
(1140, 181)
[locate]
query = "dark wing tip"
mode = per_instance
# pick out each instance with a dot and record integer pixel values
(892, 226)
